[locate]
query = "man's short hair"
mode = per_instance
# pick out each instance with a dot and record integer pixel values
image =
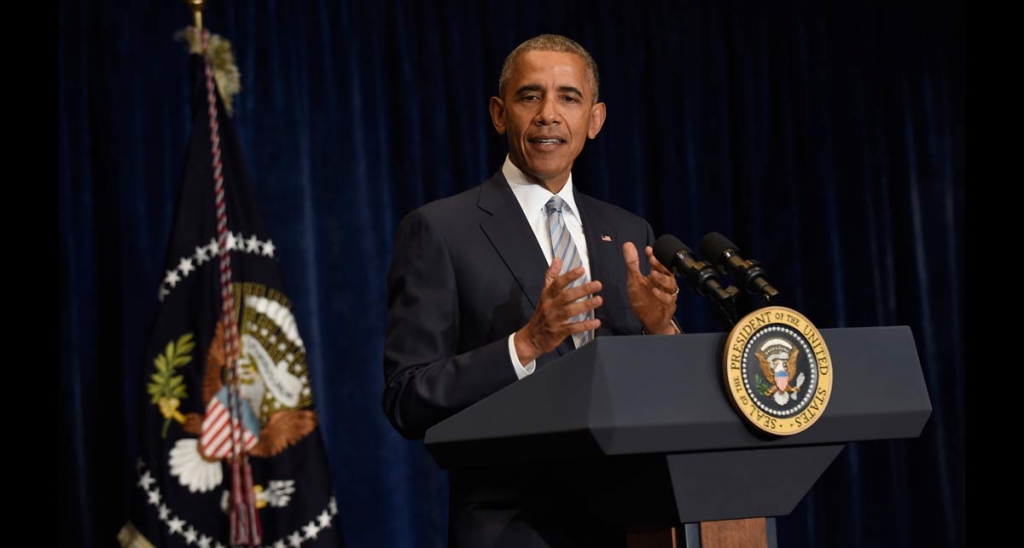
(549, 42)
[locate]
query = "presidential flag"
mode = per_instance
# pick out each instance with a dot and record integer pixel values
(231, 451)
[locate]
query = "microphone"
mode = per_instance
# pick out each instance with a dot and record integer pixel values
(702, 276)
(726, 255)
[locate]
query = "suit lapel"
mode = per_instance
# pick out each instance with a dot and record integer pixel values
(512, 237)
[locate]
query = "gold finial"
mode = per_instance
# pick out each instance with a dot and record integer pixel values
(197, 12)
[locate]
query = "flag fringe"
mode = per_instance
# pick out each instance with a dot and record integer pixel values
(130, 537)
(225, 71)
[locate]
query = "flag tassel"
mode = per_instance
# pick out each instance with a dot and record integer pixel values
(238, 514)
(255, 528)
(245, 522)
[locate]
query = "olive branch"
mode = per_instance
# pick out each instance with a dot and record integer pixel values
(166, 386)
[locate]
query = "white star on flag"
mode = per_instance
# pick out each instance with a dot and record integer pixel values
(200, 255)
(185, 266)
(311, 530)
(172, 278)
(175, 524)
(145, 480)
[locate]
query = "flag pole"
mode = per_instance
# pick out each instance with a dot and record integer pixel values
(197, 12)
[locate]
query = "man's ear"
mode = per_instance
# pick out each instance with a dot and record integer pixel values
(597, 115)
(497, 109)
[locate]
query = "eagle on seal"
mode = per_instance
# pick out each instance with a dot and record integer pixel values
(779, 369)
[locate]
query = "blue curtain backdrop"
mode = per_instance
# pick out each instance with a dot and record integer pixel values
(825, 138)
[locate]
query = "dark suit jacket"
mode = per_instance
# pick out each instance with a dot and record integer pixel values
(466, 273)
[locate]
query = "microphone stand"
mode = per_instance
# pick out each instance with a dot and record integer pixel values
(726, 301)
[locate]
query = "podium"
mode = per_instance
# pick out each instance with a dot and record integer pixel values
(640, 429)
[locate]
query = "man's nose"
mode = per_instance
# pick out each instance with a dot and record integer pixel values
(548, 113)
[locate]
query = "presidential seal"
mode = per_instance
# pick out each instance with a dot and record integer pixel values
(778, 372)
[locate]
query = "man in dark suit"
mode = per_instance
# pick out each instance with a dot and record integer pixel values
(491, 284)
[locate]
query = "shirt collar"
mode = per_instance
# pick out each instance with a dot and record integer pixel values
(532, 196)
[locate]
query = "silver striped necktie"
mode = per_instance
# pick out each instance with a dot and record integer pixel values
(562, 246)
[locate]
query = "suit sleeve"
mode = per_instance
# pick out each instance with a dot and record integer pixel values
(425, 379)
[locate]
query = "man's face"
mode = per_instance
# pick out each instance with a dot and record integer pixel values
(548, 112)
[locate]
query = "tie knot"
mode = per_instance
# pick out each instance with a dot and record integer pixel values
(554, 205)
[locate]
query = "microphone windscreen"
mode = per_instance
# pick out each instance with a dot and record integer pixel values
(713, 244)
(665, 248)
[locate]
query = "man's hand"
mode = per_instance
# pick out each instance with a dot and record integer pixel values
(653, 297)
(550, 323)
